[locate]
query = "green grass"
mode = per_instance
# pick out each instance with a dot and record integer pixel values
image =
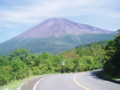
(13, 85)
(116, 78)
(109, 77)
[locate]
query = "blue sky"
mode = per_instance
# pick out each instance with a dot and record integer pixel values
(17, 16)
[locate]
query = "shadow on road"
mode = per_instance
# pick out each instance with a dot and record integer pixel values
(95, 74)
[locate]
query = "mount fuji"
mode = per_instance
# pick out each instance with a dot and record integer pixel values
(56, 35)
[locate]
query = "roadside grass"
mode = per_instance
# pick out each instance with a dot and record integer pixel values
(13, 85)
(105, 76)
(116, 78)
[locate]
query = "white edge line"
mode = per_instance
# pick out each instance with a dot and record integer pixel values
(19, 88)
(36, 84)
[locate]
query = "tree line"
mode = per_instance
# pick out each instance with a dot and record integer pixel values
(21, 63)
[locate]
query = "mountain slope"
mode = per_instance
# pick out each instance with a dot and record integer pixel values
(59, 27)
(55, 35)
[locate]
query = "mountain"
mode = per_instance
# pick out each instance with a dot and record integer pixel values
(55, 35)
(58, 27)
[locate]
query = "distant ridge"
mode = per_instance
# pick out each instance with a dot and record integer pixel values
(55, 35)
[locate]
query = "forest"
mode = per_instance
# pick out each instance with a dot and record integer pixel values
(22, 63)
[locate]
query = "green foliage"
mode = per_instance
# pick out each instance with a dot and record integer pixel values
(13, 67)
(19, 69)
(20, 53)
(112, 60)
(5, 74)
(21, 63)
(4, 61)
(83, 58)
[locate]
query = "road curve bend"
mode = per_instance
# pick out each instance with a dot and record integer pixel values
(74, 81)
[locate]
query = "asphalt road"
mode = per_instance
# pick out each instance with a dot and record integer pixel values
(76, 81)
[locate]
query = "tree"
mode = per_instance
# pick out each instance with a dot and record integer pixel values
(20, 53)
(4, 60)
(56, 63)
(5, 74)
(112, 60)
(19, 69)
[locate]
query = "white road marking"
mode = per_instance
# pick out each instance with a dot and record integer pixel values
(36, 84)
(19, 88)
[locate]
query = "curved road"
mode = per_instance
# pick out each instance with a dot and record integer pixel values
(76, 81)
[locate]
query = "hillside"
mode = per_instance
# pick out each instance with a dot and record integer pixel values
(95, 50)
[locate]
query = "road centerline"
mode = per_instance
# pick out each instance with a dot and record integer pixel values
(80, 85)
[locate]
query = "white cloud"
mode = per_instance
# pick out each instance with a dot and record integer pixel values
(29, 13)
(35, 9)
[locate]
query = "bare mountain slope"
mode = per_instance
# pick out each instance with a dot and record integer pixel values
(60, 26)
